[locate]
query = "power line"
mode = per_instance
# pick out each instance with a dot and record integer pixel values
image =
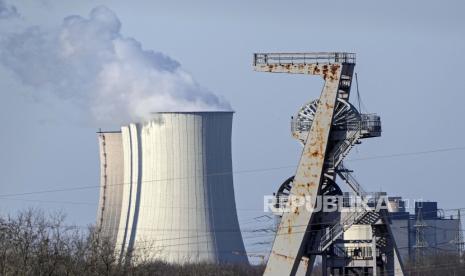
(270, 230)
(146, 181)
(393, 215)
(413, 153)
(259, 230)
(142, 205)
(78, 188)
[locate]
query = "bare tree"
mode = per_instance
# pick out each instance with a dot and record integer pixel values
(32, 243)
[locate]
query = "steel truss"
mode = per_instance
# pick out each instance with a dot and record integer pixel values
(328, 128)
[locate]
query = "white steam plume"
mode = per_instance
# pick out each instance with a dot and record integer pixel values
(88, 61)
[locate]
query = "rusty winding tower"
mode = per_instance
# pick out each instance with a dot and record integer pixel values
(356, 242)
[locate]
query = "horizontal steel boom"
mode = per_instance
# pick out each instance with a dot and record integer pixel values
(303, 58)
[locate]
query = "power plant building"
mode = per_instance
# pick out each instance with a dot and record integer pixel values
(426, 232)
(177, 201)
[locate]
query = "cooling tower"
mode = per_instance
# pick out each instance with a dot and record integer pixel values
(111, 180)
(177, 200)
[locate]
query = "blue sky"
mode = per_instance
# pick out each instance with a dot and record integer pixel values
(409, 63)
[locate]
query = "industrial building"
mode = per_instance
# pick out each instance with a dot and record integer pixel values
(167, 189)
(425, 232)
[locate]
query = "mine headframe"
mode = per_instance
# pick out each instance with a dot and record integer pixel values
(328, 128)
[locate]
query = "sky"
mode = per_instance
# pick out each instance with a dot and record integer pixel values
(409, 66)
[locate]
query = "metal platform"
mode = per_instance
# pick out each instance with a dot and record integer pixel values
(303, 58)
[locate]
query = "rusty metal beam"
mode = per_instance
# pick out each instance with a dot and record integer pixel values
(325, 70)
(288, 247)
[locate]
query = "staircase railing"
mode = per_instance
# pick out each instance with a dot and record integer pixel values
(345, 175)
(339, 228)
(302, 58)
(360, 211)
(339, 153)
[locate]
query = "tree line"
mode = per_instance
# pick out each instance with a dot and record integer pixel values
(33, 243)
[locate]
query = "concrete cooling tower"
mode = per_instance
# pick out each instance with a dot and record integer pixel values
(177, 202)
(111, 179)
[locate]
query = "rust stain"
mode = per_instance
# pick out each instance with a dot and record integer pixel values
(316, 70)
(299, 185)
(283, 256)
(296, 211)
(310, 184)
(325, 71)
(330, 73)
(333, 73)
(334, 68)
(289, 226)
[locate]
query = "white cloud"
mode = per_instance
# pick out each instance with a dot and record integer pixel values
(88, 62)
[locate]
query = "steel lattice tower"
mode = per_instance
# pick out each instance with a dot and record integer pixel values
(328, 128)
(420, 241)
(459, 239)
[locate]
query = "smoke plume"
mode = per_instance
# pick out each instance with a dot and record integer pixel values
(88, 61)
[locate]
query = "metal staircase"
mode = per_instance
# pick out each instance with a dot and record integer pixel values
(362, 214)
(344, 148)
(368, 126)
(345, 174)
